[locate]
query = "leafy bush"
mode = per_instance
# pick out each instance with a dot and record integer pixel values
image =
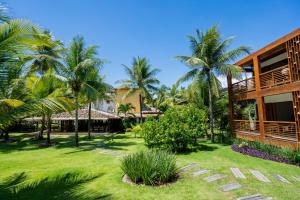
(281, 154)
(150, 168)
(177, 130)
(134, 128)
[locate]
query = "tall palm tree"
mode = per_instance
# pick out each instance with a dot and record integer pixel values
(45, 56)
(91, 96)
(141, 78)
(211, 58)
(81, 61)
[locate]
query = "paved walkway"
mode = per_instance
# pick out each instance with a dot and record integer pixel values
(195, 170)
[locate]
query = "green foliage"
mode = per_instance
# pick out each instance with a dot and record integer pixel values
(177, 130)
(292, 155)
(150, 168)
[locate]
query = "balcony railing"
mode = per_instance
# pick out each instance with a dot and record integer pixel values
(280, 130)
(246, 126)
(243, 86)
(275, 77)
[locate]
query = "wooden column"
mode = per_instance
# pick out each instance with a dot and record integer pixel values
(230, 104)
(259, 100)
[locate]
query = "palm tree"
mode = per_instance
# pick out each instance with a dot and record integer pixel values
(47, 87)
(46, 54)
(126, 109)
(91, 96)
(81, 61)
(141, 78)
(211, 58)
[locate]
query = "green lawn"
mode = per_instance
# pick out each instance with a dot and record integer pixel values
(66, 172)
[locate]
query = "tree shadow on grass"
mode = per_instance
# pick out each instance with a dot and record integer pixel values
(199, 147)
(24, 142)
(65, 187)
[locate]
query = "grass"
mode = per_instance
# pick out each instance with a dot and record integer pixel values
(66, 172)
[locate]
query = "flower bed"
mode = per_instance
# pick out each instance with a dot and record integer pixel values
(260, 154)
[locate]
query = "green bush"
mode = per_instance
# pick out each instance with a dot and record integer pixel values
(292, 155)
(150, 168)
(177, 130)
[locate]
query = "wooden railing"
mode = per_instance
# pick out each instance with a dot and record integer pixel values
(275, 77)
(243, 86)
(246, 126)
(281, 130)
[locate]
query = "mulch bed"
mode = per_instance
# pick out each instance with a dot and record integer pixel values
(260, 154)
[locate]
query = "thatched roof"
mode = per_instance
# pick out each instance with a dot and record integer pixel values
(83, 114)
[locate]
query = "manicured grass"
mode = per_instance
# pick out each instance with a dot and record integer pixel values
(66, 172)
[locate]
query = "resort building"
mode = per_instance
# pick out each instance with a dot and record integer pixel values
(265, 106)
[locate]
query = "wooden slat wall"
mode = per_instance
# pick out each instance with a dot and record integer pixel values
(293, 51)
(296, 104)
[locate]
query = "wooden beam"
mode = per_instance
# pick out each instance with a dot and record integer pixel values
(259, 99)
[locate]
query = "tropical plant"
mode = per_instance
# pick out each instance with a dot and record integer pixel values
(46, 54)
(177, 130)
(126, 109)
(141, 78)
(47, 87)
(81, 62)
(211, 58)
(150, 168)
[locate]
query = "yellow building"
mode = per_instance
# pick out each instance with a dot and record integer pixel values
(121, 98)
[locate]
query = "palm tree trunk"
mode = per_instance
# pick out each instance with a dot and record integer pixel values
(141, 107)
(41, 134)
(76, 120)
(89, 120)
(211, 114)
(48, 129)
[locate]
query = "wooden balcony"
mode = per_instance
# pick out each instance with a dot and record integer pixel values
(241, 88)
(246, 126)
(275, 77)
(281, 130)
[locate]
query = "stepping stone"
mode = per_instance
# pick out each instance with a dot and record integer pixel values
(237, 173)
(230, 186)
(214, 177)
(259, 176)
(297, 178)
(280, 178)
(254, 197)
(187, 167)
(201, 171)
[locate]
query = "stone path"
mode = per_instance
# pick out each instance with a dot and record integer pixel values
(297, 178)
(200, 172)
(187, 167)
(259, 176)
(237, 173)
(280, 178)
(214, 177)
(255, 197)
(230, 186)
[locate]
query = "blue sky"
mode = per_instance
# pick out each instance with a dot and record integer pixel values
(157, 29)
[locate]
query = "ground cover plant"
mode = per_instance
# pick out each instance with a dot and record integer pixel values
(150, 167)
(267, 151)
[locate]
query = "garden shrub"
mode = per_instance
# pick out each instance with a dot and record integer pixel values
(284, 154)
(177, 130)
(150, 168)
